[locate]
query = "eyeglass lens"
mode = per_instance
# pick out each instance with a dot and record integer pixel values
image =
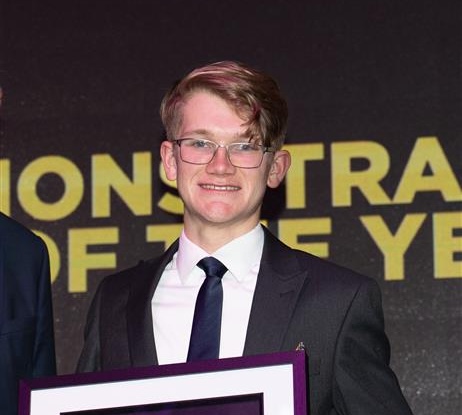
(246, 155)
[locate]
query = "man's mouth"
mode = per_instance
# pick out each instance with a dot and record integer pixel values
(219, 188)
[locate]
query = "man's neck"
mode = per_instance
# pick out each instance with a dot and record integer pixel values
(212, 237)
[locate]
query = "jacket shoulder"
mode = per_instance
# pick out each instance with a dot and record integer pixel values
(285, 258)
(14, 233)
(140, 275)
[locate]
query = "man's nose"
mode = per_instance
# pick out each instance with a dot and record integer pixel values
(220, 161)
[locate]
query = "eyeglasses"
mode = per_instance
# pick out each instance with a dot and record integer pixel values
(244, 155)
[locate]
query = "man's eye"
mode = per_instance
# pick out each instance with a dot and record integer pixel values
(200, 144)
(245, 147)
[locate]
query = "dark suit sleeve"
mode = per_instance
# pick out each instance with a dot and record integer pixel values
(44, 350)
(90, 357)
(364, 384)
(26, 313)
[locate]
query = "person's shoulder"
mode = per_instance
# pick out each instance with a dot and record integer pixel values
(13, 232)
(325, 268)
(320, 268)
(334, 282)
(144, 269)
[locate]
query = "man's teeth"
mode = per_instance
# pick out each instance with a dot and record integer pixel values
(222, 188)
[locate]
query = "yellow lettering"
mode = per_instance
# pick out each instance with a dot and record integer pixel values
(447, 245)
(108, 175)
(73, 188)
(80, 260)
(345, 179)
(296, 188)
(163, 233)
(290, 231)
(393, 247)
(169, 202)
(428, 152)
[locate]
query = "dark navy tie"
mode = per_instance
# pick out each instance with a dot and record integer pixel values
(205, 333)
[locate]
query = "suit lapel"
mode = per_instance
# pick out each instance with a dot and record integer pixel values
(139, 315)
(280, 280)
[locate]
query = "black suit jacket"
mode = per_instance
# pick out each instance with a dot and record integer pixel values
(26, 319)
(299, 297)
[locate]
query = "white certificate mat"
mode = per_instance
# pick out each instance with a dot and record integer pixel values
(273, 384)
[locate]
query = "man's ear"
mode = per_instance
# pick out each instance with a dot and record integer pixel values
(278, 169)
(168, 159)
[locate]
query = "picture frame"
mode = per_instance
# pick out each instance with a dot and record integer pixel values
(269, 384)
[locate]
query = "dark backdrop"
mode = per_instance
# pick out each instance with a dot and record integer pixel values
(382, 78)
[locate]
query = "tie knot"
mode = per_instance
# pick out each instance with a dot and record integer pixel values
(212, 267)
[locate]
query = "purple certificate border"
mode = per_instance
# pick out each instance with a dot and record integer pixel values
(295, 358)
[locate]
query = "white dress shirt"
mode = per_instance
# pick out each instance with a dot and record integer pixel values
(175, 297)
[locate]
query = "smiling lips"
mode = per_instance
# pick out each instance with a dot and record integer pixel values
(219, 188)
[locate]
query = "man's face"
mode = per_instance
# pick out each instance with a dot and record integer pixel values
(219, 193)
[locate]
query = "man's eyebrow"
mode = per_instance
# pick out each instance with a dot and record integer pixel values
(209, 134)
(199, 131)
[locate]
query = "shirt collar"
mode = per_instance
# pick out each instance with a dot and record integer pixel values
(239, 256)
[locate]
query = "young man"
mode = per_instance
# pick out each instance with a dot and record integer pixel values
(225, 126)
